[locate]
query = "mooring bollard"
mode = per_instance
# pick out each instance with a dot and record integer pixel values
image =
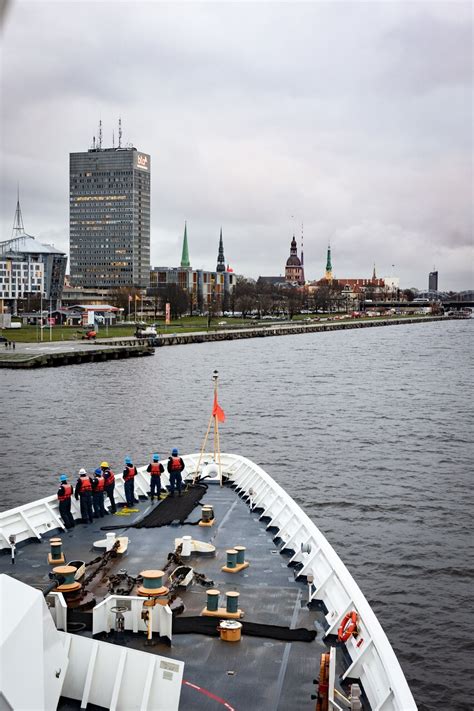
(56, 554)
(231, 558)
(240, 554)
(212, 603)
(232, 602)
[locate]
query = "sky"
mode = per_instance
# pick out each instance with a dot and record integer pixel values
(353, 119)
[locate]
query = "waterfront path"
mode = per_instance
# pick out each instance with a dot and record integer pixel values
(70, 352)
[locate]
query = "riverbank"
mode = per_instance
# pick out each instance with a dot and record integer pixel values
(70, 353)
(287, 329)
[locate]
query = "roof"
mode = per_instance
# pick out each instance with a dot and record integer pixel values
(27, 244)
(94, 307)
(293, 261)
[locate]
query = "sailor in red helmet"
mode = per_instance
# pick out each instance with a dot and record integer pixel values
(64, 498)
(175, 467)
(155, 469)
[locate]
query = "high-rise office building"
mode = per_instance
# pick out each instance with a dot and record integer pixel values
(109, 217)
(433, 281)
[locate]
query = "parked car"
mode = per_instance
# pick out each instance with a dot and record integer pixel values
(145, 332)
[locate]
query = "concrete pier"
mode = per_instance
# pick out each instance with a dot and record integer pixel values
(29, 355)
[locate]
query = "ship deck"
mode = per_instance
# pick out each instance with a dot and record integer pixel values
(256, 673)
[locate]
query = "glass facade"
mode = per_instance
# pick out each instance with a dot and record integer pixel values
(109, 218)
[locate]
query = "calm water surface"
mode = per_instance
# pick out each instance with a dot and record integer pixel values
(369, 430)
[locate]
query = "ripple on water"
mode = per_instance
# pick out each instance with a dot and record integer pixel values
(368, 430)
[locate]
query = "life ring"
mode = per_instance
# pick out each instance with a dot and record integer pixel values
(347, 627)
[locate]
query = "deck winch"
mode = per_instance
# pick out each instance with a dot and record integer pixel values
(152, 585)
(69, 585)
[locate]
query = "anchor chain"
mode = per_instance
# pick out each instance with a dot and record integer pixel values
(102, 561)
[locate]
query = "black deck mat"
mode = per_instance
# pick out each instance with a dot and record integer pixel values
(175, 508)
(208, 626)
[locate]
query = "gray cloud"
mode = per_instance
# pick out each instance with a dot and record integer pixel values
(354, 118)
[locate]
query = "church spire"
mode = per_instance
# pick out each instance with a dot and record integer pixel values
(185, 263)
(18, 227)
(329, 265)
(220, 257)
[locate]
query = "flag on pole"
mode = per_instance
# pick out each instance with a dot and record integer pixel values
(137, 297)
(129, 297)
(217, 410)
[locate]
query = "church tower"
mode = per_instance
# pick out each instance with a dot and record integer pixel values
(328, 274)
(220, 257)
(293, 268)
(185, 263)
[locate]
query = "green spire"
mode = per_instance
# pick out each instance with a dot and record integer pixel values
(185, 263)
(328, 263)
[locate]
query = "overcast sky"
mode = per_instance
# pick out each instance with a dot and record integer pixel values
(354, 118)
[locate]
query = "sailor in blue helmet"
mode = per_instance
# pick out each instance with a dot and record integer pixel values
(175, 467)
(129, 474)
(155, 469)
(64, 498)
(98, 487)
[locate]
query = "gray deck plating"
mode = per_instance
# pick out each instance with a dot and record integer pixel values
(252, 674)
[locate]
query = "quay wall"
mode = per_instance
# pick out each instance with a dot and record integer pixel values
(284, 330)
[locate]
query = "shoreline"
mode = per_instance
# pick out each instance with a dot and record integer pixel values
(71, 353)
(286, 330)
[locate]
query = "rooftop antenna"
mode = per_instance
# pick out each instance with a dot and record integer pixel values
(120, 133)
(113, 139)
(100, 135)
(93, 143)
(18, 228)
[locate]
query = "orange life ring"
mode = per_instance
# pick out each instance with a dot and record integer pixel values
(347, 627)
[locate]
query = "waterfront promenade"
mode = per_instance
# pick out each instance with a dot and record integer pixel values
(46, 354)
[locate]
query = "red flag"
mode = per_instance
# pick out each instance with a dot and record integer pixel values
(217, 410)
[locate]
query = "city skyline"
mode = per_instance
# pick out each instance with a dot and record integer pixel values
(257, 118)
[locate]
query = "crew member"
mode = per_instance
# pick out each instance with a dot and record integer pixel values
(129, 474)
(175, 467)
(98, 486)
(84, 490)
(64, 498)
(109, 484)
(155, 470)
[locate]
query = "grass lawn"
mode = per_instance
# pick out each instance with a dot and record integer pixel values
(187, 324)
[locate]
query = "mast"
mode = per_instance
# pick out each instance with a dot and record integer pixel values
(217, 446)
(18, 227)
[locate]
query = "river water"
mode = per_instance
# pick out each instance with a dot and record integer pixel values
(369, 430)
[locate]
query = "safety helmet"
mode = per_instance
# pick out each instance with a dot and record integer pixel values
(156, 457)
(82, 471)
(128, 460)
(63, 477)
(104, 465)
(98, 472)
(174, 453)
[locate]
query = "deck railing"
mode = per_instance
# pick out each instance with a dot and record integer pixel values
(373, 659)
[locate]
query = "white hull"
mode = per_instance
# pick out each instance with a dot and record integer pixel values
(373, 659)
